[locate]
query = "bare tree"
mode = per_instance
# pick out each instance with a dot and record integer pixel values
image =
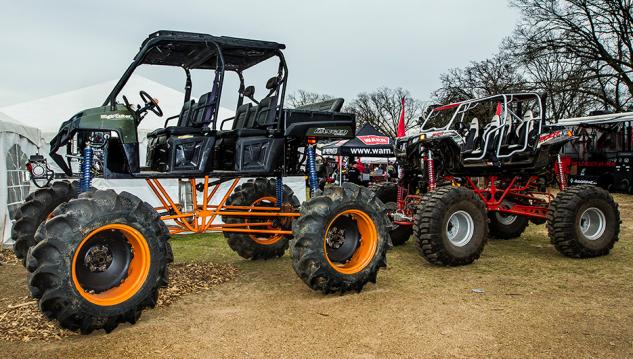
(302, 97)
(479, 79)
(595, 35)
(382, 107)
(559, 78)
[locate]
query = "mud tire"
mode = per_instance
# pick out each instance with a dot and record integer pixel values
(308, 248)
(50, 261)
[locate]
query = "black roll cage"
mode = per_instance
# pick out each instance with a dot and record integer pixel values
(155, 39)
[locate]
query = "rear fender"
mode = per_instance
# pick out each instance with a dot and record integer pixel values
(319, 124)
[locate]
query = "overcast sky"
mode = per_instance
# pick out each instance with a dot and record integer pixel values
(334, 47)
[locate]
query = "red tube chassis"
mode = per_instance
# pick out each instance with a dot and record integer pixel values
(507, 195)
(519, 195)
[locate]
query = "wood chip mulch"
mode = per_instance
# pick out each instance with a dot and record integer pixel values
(7, 257)
(23, 321)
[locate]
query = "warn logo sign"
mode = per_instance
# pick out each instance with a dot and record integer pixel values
(374, 140)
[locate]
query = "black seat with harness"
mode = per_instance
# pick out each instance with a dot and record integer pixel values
(486, 147)
(187, 145)
(250, 144)
(471, 140)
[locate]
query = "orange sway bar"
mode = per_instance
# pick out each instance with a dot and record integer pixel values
(200, 219)
(201, 214)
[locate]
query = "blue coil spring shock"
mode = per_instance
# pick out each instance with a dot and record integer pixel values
(312, 170)
(86, 170)
(280, 191)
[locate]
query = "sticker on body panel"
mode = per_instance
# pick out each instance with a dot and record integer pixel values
(329, 131)
(116, 116)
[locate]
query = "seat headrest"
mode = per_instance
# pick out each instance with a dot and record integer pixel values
(265, 102)
(528, 115)
(189, 104)
(495, 120)
(249, 91)
(271, 83)
(244, 107)
(205, 97)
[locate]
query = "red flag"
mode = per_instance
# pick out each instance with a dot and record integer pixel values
(401, 130)
(499, 109)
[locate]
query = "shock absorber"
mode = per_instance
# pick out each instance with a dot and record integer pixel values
(400, 198)
(562, 181)
(279, 186)
(85, 181)
(430, 170)
(312, 170)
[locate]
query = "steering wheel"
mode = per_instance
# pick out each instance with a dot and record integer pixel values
(151, 104)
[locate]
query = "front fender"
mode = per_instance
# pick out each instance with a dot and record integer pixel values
(120, 120)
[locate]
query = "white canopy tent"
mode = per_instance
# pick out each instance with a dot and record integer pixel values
(17, 143)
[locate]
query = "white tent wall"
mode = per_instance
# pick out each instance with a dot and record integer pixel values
(17, 143)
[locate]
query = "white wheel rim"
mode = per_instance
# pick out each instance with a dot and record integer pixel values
(460, 228)
(505, 219)
(593, 223)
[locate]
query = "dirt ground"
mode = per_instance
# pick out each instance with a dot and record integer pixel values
(521, 299)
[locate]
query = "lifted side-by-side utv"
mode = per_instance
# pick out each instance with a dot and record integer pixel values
(485, 166)
(97, 258)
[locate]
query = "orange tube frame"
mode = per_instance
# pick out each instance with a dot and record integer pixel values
(200, 219)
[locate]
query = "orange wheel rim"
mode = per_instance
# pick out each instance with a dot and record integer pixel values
(263, 238)
(366, 246)
(137, 268)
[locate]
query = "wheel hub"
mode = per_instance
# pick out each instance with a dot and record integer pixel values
(98, 258)
(593, 223)
(460, 228)
(103, 261)
(336, 238)
(350, 241)
(342, 240)
(505, 218)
